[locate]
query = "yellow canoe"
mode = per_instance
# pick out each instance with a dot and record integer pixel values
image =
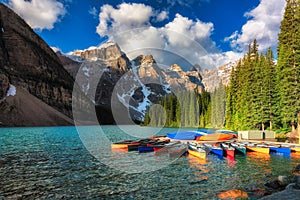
(259, 149)
(295, 149)
(197, 154)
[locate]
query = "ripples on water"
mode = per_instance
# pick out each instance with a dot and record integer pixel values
(53, 163)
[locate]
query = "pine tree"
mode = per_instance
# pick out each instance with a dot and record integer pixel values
(271, 92)
(288, 66)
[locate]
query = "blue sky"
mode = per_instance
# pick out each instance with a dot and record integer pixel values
(222, 27)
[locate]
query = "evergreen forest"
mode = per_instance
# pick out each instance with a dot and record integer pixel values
(263, 93)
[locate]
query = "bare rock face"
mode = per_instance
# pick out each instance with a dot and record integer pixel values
(24, 109)
(4, 86)
(30, 63)
(179, 79)
(148, 71)
(70, 65)
(101, 69)
(109, 52)
(213, 77)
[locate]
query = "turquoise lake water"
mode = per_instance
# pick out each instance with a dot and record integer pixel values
(55, 163)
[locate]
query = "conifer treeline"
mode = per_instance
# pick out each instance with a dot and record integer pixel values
(251, 93)
(261, 94)
(288, 67)
(185, 109)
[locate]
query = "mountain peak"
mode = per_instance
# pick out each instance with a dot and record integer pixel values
(143, 60)
(106, 51)
(195, 68)
(175, 68)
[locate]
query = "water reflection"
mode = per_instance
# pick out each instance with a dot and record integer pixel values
(261, 160)
(231, 161)
(295, 155)
(202, 169)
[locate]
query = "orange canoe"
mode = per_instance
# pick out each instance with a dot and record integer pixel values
(215, 136)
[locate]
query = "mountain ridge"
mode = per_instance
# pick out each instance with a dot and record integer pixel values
(29, 63)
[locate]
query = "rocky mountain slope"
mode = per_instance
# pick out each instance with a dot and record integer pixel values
(136, 83)
(213, 77)
(28, 63)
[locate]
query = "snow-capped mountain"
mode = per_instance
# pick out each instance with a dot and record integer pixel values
(137, 83)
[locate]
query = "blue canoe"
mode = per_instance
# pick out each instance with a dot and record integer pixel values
(281, 150)
(215, 150)
(144, 149)
(189, 135)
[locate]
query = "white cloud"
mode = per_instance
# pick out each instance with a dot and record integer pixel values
(125, 17)
(180, 41)
(162, 16)
(195, 30)
(93, 11)
(263, 25)
(39, 14)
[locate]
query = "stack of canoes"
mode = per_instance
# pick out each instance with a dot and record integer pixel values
(152, 144)
(163, 144)
(197, 150)
(142, 145)
(189, 135)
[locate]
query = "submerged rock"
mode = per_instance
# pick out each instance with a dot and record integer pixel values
(296, 179)
(283, 180)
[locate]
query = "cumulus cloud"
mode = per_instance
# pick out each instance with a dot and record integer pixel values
(180, 41)
(39, 14)
(126, 16)
(263, 24)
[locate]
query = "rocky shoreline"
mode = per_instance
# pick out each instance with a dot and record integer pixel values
(284, 187)
(289, 187)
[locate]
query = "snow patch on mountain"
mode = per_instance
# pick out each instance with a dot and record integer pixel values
(12, 91)
(86, 71)
(146, 102)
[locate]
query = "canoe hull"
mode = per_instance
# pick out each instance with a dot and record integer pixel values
(177, 151)
(229, 152)
(197, 154)
(240, 150)
(218, 152)
(281, 150)
(119, 146)
(259, 149)
(215, 137)
(145, 149)
(295, 149)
